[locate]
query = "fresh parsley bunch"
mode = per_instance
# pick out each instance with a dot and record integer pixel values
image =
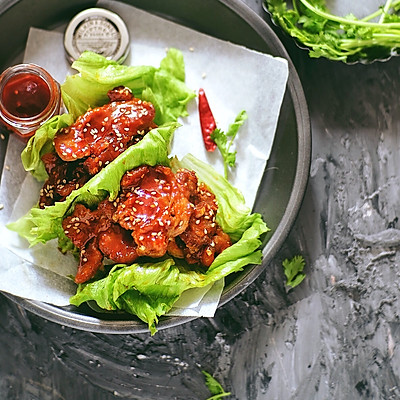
(347, 39)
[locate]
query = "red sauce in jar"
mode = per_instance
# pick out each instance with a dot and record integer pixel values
(29, 96)
(25, 95)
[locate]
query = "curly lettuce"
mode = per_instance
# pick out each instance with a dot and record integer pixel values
(150, 290)
(164, 87)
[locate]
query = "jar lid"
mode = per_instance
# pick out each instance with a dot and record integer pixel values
(97, 30)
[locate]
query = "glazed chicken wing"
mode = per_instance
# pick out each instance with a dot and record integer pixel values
(156, 212)
(103, 133)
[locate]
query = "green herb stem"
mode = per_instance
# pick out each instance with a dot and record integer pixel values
(385, 10)
(338, 38)
(345, 21)
(378, 39)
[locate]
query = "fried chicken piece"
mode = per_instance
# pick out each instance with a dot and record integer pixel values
(84, 227)
(117, 244)
(103, 133)
(156, 212)
(203, 233)
(91, 261)
(154, 206)
(62, 179)
(84, 224)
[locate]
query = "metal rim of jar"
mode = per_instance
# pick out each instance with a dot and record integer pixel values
(27, 124)
(122, 52)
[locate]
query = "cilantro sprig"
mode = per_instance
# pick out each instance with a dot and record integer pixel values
(293, 269)
(214, 387)
(347, 39)
(224, 141)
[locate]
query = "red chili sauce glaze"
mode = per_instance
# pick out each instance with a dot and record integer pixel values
(157, 212)
(25, 95)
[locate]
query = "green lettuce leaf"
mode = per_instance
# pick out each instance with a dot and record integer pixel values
(233, 214)
(150, 290)
(41, 225)
(164, 86)
(42, 143)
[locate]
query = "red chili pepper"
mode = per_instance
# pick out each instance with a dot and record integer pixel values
(207, 121)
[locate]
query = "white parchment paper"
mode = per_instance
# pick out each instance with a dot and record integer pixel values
(234, 78)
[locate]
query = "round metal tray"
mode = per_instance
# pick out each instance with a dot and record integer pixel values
(285, 178)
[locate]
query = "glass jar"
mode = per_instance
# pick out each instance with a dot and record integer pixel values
(29, 96)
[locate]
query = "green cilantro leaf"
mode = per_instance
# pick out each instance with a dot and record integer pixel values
(224, 141)
(348, 38)
(214, 387)
(294, 270)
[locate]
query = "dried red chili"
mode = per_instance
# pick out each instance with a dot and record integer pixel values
(207, 121)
